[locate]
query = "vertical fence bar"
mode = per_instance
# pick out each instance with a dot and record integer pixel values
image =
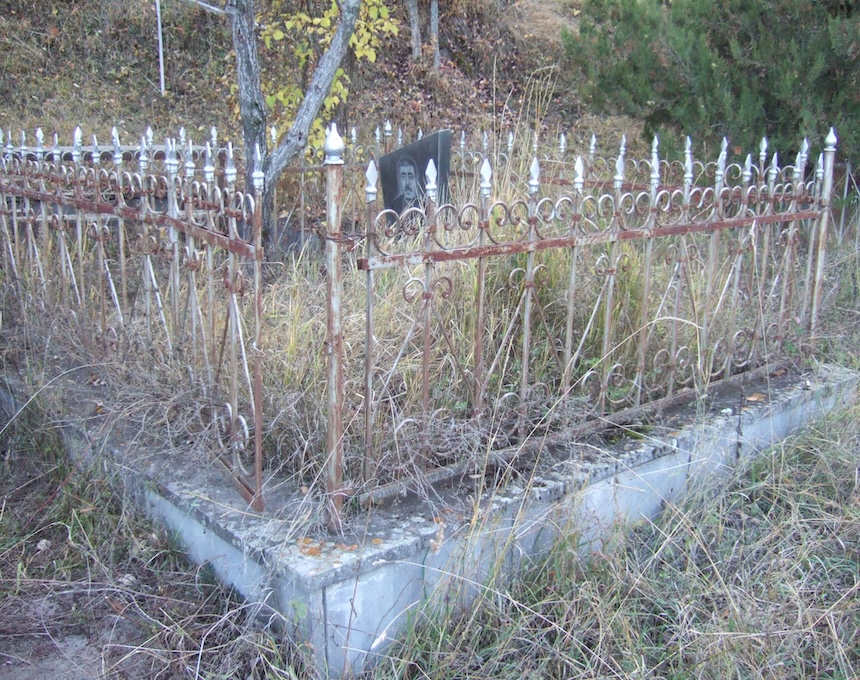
(334, 148)
(370, 194)
(646, 286)
(611, 273)
(427, 310)
(821, 236)
(173, 182)
(578, 189)
(705, 354)
(811, 254)
(528, 291)
(478, 388)
(258, 503)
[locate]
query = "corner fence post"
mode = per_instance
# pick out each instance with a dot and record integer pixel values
(334, 148)
(821, 237)
(258, 502)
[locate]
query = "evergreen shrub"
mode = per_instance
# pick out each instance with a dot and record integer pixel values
(734, 68)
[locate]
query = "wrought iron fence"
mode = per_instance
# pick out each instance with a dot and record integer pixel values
(614, 284)
(554, 288)
(141, 248)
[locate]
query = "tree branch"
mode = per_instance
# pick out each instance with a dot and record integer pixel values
(296, 139)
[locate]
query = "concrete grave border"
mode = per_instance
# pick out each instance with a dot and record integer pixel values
(348, 597)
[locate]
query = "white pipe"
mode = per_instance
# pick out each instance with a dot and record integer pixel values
(160, 45)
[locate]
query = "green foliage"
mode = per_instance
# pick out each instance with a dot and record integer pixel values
(300, 37)
(781, 68)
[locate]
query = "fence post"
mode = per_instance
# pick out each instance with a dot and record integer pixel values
(370, 194)
(821, 238)
(334, 148)
(258, 502)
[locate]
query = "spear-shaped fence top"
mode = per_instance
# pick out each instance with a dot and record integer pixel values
(77, 143)
(117, 147)
(578, 175)
(655, 164)
(371, 175)
(486, 176)
(430, 177)
(534, 176)
(143, 158)
(258, 176)
(334, 146)
(618, 180)
(688, 163)
(208, 166)
(230, 169)
(40, 149)
(190, 165)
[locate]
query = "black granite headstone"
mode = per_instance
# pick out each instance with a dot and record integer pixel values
(402, 172)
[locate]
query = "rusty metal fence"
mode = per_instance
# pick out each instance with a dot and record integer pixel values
(141, 249)
(552, 290)
(609, 284)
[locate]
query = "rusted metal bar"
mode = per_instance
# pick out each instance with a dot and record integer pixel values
(369, 463)
(528, 292)
(334, 148)
(258, 502)
(427, 311)
(646, 285)
(480, 283)
(162, 221)
(578, 185)
(821, 234)
(610, 271)
(556, 242)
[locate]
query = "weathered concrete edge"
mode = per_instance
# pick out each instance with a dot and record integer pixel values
(350, 614)
(364, 614)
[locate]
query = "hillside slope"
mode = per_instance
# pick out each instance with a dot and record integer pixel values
(94, 63)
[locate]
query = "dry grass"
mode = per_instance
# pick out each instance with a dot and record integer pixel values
(76, 561)
(759, 578)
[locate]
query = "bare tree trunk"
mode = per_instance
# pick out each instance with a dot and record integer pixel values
(434, 33)
(252, 106)
(414, 28)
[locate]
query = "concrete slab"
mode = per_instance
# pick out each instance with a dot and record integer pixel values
(349, 596)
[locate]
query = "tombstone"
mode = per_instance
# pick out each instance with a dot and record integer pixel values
(402, 172)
